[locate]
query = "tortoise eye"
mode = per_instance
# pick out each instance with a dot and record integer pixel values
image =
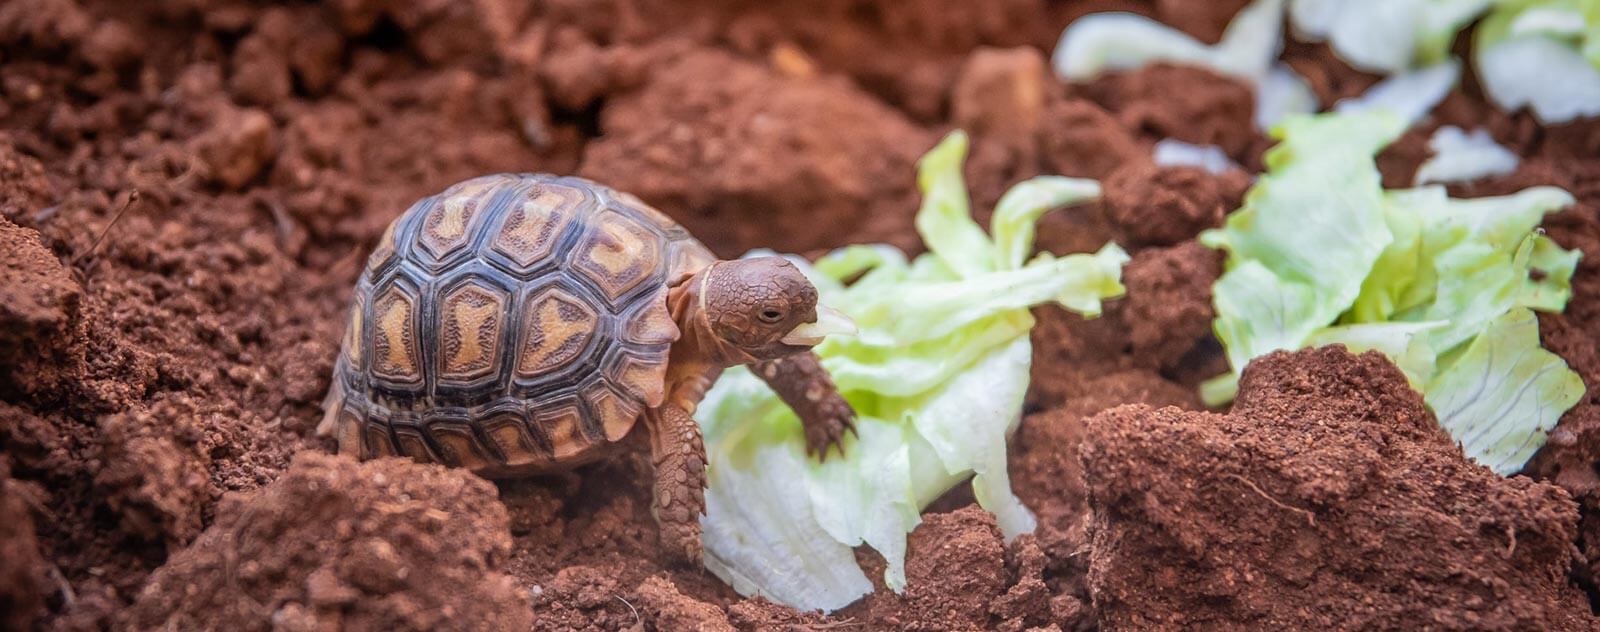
(771, 315)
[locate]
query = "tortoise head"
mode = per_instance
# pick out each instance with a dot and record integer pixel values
(765, 307)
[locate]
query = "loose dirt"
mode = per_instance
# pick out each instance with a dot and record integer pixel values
(188, 189)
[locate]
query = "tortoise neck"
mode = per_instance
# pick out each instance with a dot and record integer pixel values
(699, 354)
(687, 301)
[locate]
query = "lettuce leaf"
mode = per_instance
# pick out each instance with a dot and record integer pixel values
(1101, 42)
(1321, 254)
(1543, 54)
(937, 374)
(1407, 37)
(1410, 94)
(1504, 393)
(1461, 156)
(1309, 230)
(1385, 36)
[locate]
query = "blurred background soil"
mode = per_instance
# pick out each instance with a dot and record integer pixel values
(188, 189)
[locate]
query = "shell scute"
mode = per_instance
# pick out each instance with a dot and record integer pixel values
(470, 325)
(394, 336)
(446, 225)
(618, 254)
(530, 229)
(556, 328)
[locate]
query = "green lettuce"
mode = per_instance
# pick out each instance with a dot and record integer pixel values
(937, 374)
(1544, 54)
(1321, 254)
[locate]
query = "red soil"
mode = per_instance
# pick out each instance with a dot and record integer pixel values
(1327, 498)
(153, 388)
(333, 544)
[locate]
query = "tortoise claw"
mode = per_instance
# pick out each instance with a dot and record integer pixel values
(681, 542)
(823, 435)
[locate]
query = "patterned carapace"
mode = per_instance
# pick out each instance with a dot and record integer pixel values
(511, 322)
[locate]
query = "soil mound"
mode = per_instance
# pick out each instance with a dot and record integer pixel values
(746, 157)
(1328, 498)
(334, 544)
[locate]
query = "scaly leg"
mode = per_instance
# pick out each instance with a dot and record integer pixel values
(679, 458)
(805, 386)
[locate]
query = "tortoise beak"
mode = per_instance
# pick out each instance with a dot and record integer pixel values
(829, 322)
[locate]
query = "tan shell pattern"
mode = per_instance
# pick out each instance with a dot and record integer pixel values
(511, 323)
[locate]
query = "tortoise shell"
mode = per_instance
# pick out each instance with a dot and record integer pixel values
(511, 323)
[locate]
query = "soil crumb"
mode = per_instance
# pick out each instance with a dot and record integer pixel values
(1149, 205)
(1166, 314)
(334, 544)
(1327, 498)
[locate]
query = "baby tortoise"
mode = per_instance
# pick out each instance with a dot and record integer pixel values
(518, 324)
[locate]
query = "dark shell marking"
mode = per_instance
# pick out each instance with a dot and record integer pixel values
(510, 323)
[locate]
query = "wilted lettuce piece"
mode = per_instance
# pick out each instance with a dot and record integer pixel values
(1542, 54)
(1461, 156)
(937, 374)
(1385, 36)
(1504, 393)
(1443, 286)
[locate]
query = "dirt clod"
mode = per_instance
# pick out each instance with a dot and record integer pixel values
(660, 600)
(237, 147)
(386, 544)
(1167, 311)
(40, 318)
(1086, 141)
(955, 566)
(1161, 206)
(1212, 109)
(154, 472)
(778, 155)
(1328, 497)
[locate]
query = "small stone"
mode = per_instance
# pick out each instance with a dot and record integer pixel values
(236, 148)
(325, 589)
(1000, 94)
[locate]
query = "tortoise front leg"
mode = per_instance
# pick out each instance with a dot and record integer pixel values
(805, 386)
(679, 458)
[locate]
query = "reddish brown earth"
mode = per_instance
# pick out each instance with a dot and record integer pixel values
(333, 544)
(1328, 497)
(154, 384)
